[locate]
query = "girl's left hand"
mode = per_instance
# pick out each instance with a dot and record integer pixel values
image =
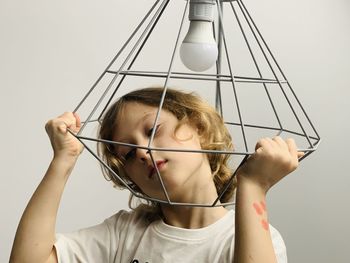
(273, 159)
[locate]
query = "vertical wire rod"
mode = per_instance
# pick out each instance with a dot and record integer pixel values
(218, 98)
(229, 182)
(117, 74)
(256, 64)
(168, 76)
(162, 101)
(282, 73)
(274, 73)
(160, 178)
(232, 76)
(134, 59)
(113, 60)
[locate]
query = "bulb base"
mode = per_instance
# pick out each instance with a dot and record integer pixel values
(201, 10)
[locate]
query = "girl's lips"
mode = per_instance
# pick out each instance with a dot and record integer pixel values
(160, 165)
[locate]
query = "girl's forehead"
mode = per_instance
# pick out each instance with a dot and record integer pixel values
(133, 111)
(134, 114)
(136, 110)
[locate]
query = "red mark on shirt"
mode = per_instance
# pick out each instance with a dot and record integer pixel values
(265, 224)
(258, 209)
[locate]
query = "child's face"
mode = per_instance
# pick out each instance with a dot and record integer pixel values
(182, 173)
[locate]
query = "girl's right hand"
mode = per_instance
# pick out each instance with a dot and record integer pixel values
(64, 144)
(272, 160)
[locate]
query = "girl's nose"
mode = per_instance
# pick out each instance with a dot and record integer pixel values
(143, 154)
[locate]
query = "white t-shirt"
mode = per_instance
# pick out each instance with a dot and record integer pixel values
(127, 238)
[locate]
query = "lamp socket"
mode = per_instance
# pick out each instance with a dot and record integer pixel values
(201, 10)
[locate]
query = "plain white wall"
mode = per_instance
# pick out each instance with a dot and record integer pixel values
(51, 53)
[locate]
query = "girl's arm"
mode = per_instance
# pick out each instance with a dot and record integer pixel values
(273, 159)
(35, 234)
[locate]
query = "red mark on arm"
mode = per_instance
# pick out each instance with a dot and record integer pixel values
(258, 209)
(263, 205)
(265, 224)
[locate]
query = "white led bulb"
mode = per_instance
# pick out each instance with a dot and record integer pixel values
(199, 50)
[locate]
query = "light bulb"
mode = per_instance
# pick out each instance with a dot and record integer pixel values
(199, 50)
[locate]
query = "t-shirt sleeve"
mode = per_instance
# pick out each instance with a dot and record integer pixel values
(279, 246)
(92, 244)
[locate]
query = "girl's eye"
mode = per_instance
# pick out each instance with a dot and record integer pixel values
(130, 154)
(151, 130)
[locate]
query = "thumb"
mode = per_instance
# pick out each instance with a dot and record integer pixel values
(300, 154)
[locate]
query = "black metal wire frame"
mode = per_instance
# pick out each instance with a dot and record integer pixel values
(158, 9)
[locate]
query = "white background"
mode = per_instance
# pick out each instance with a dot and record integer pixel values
(52, 51)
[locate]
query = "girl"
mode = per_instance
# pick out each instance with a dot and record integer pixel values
(157, 232)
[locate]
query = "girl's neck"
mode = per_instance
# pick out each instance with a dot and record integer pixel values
(192, 217)
(202, 192)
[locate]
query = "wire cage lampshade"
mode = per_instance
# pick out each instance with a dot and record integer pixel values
(246, 85)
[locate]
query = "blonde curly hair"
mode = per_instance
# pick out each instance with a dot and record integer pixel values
(188, 108)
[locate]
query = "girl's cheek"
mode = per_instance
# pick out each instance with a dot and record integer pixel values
(128, 168)
(184, 134)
